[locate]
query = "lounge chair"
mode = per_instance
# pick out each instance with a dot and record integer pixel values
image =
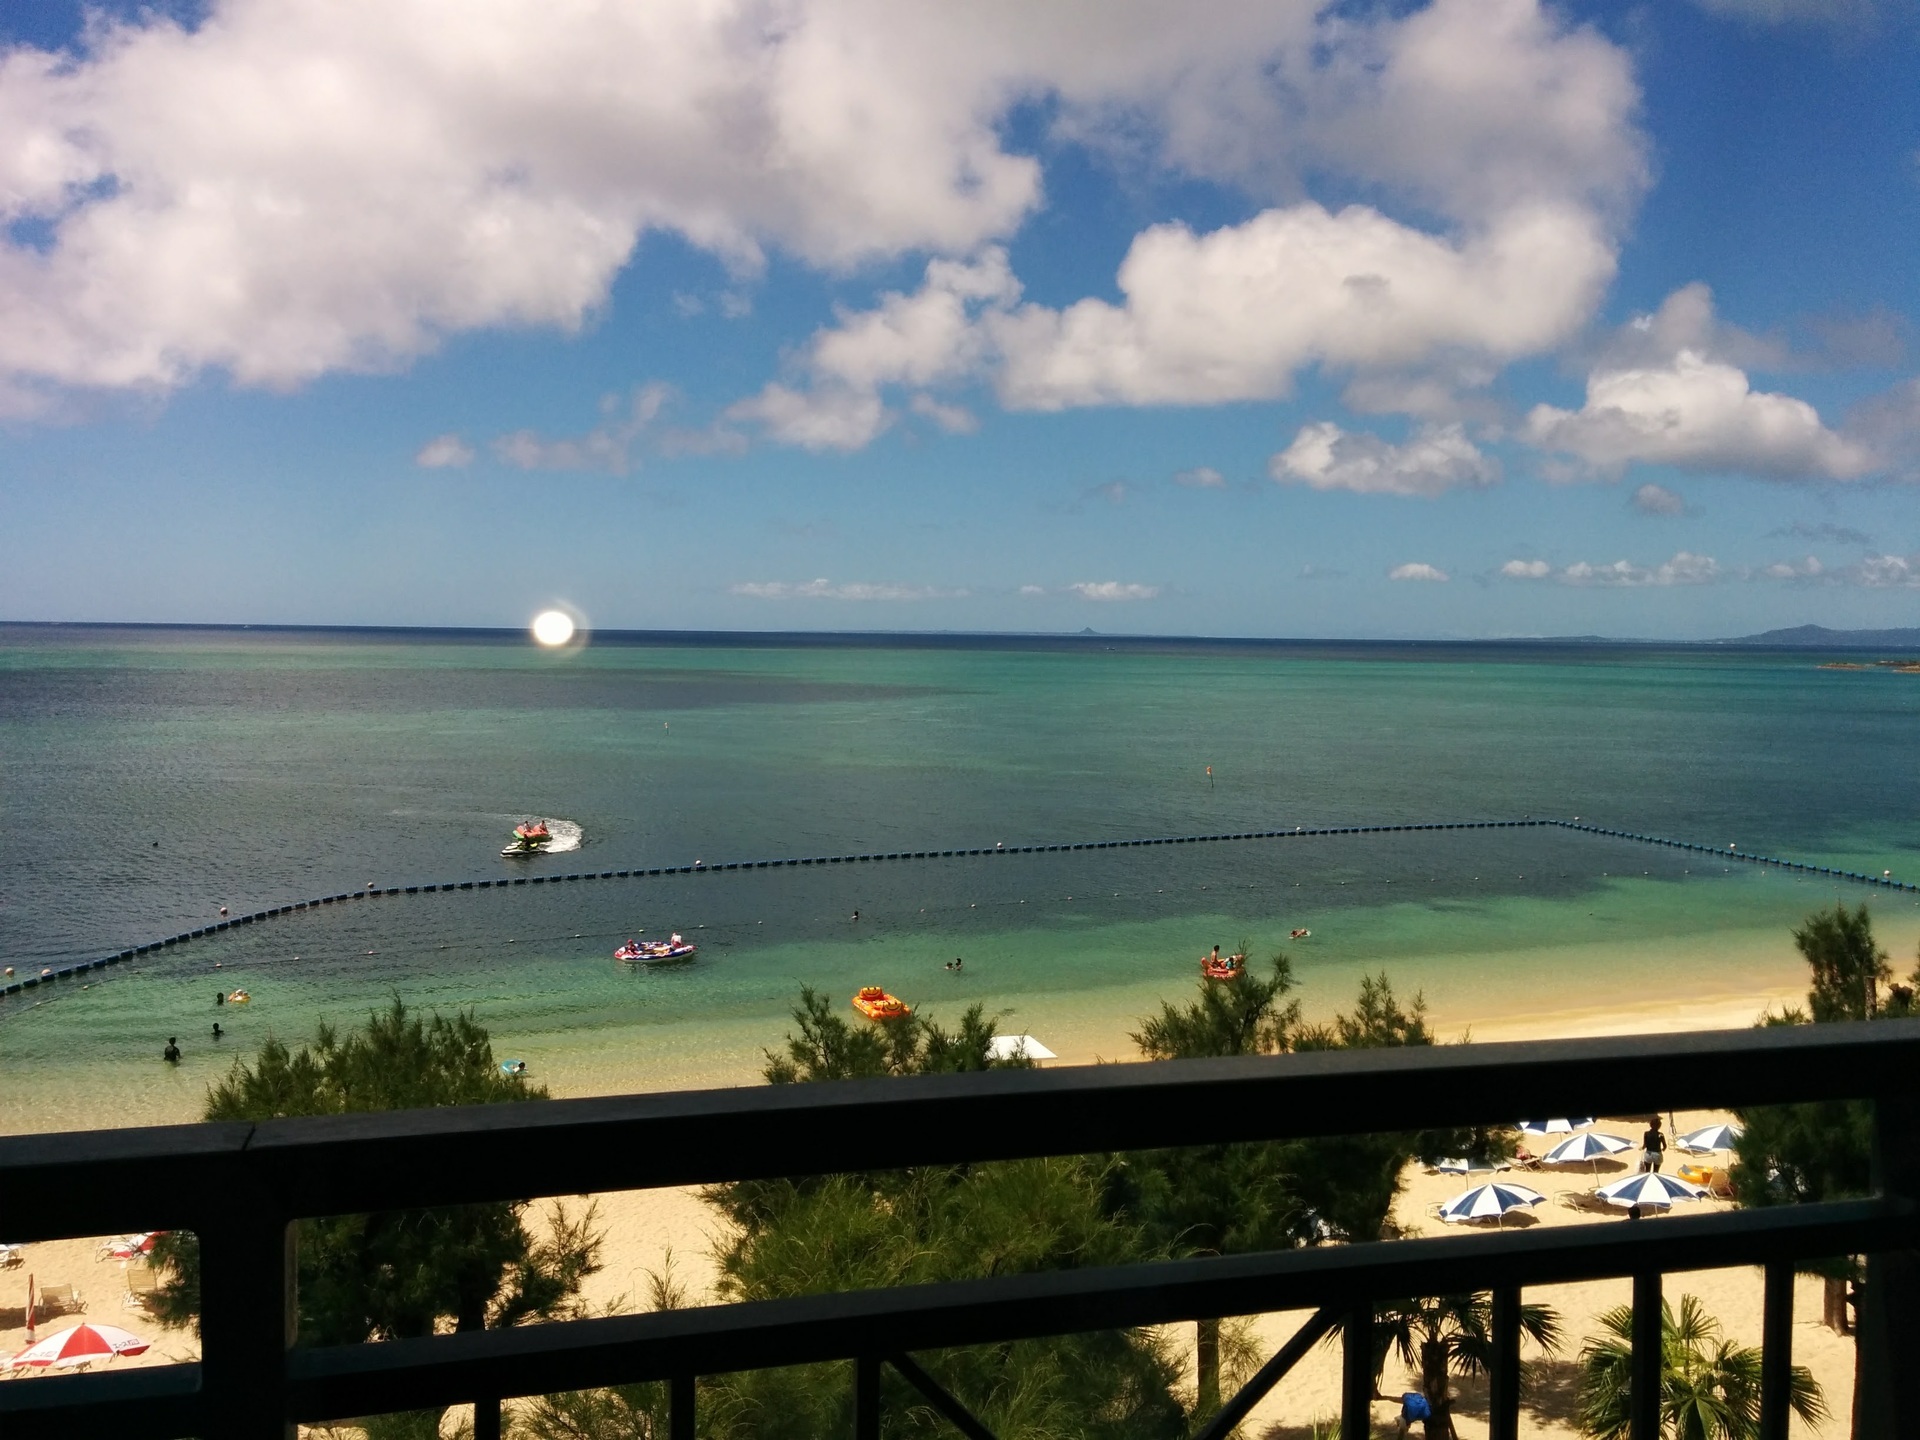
(1586, 1202)
(59, 1300)
(12, 1256)
(141, 1284)
(1525, 1159)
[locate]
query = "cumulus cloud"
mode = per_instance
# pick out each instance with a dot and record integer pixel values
(1113, 590)
(444, 452)
(925, 338)
(1685, 568)
(1526, 569)
(1201, 477)
(1696, 414)
(1417, 570)
(1653, 499)
(954, 419)
(608, 447)
(1808, 569)
(290, 187)
(1434, 460)
(824, 589)
(1884, 572)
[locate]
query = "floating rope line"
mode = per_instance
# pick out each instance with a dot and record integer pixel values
(1299, 832)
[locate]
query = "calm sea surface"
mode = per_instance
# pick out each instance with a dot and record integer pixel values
(148, 777)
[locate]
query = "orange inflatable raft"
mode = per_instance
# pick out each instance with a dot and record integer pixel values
(877, 1004)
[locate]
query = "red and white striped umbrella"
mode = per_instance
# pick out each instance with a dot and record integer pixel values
(79, 1345)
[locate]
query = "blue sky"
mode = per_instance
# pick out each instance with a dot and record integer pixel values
(1472, 318)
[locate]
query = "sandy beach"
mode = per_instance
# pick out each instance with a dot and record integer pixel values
(648, 1231)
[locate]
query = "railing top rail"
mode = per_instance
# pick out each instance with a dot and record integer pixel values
(99, 1181)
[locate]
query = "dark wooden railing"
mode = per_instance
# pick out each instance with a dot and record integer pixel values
(240, 1187)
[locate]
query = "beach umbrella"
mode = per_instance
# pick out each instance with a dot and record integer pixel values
(1470, 1165)
(1649, 1189)
(1553, 1127)
(1007, 1047)
(127, 1247)
(1587, 1145)
(1488, 1202)
(1706, 1141)
(79, 1345)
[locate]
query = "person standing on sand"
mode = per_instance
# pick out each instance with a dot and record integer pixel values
(1653, 1146)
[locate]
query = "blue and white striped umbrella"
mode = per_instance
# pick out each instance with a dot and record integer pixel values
(1488, 1202)
(1470, 1165)
(1553, 1127)
(1587, 1145)
(1646, 1190)
(1710, 1139)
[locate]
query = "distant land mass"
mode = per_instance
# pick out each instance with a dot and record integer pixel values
(1819, 637)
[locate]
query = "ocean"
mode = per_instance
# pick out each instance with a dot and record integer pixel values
(150, 776)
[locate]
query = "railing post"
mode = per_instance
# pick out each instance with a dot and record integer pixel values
(1889, 1308)
(1776, 1347)
(1643, 1394)
(1356, 1372)
(1503, 1398)
(248, 1317)
(486, 1418)
(680, 1394)
(866, 1398)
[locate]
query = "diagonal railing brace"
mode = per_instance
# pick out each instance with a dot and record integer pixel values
(1268, 1376)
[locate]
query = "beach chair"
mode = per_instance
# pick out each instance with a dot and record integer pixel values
(1525, 1159)
(12, 1256)
(142, 1283)
(59, 1300)
(1585, 1201)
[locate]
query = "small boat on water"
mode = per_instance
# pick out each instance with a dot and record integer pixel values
(647, 952)
(530, 838)
(877, 1004)
(1222, 967)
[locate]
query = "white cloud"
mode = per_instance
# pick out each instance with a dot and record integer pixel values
(1653, 499)
(1807, 569)
(1033, 590)
(824, 589)
(1685, 568)
(1113, 590)
(290, 187)
(1436, 459)
(444, 452)
(954, 419)
(1417, 570)
(1526, 569)
(1201, 477)
(1235, 314)
(608, 447)
(1696, 414)
(926, 338)
(1886, 572)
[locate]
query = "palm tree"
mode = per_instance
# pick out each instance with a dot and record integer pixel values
(1709, 1386)
(1440, 1336)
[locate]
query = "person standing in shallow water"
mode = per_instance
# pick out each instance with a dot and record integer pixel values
(1653, 1147)
(172, 1053)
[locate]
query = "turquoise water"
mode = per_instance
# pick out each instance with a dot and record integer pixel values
(272, 766)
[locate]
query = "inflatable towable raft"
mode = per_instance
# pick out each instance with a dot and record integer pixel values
(529, 839)
(642, 952)
(1222, 967)
(877, 1004)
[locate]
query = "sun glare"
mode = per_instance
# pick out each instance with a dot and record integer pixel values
(553, 627)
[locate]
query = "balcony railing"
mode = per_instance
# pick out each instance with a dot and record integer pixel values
(240, 1187)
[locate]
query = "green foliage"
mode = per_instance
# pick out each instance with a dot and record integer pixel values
(1848, 967)
(1709, 1386)
(1233, 1199)
(1789, 1154)
(396, 1273)
(933, 1223)
(1441, 1336)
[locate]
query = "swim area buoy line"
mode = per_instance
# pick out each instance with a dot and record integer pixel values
(701, 867)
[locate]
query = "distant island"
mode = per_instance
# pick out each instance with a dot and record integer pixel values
(1819, 637)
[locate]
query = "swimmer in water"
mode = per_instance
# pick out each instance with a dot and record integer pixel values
(172, 1053)
(217, 1031)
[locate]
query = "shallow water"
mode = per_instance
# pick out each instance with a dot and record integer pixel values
(271, 767)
